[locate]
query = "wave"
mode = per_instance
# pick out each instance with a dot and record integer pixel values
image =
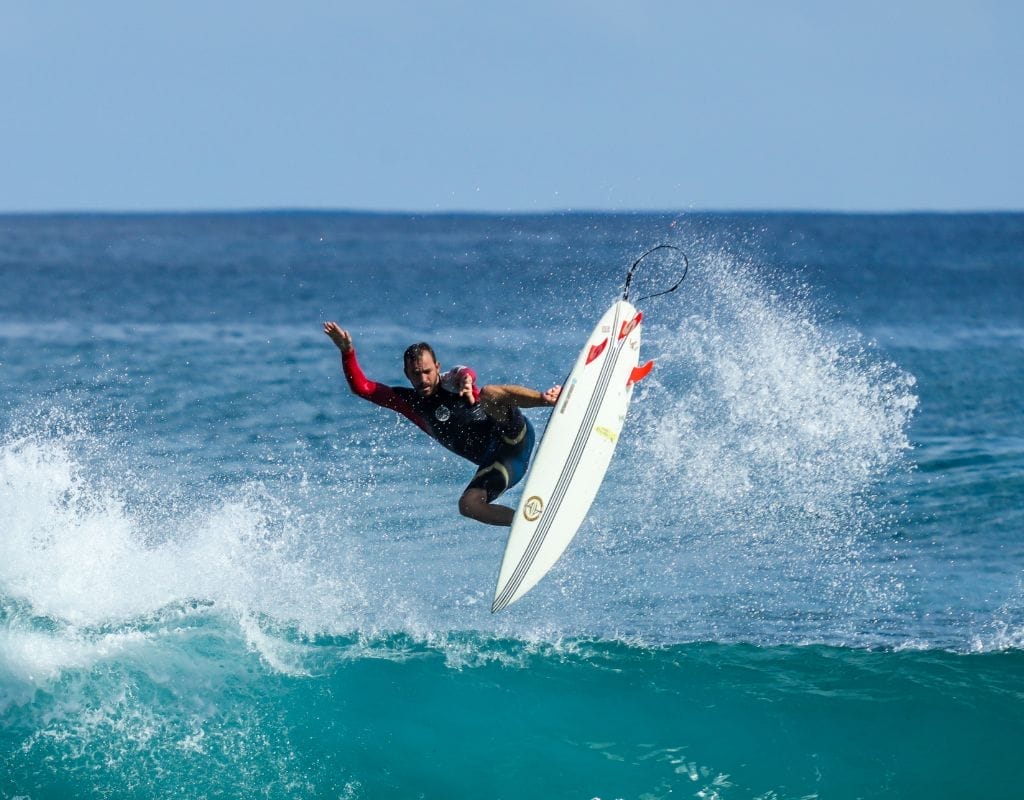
(186, 702)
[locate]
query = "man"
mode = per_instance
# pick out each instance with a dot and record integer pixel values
(483, 425)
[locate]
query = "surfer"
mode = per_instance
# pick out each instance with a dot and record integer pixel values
(481, 424)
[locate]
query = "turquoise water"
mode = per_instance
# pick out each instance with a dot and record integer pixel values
(221, 575)
(468, 716)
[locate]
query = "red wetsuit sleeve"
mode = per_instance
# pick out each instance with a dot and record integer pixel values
(378, 393)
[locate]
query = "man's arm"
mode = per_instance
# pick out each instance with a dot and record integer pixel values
(361, 386)
(498, 399)
(357, 381)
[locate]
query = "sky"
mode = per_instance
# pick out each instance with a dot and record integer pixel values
(527, 106)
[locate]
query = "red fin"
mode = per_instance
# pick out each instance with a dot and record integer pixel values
(627, 327)
(639, 373)
(596, 350)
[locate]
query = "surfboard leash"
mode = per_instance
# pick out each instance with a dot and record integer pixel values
(632, 269)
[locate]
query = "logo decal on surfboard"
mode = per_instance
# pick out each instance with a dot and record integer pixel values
(533, 508)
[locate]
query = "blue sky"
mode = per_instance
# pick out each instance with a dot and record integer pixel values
(525, 106)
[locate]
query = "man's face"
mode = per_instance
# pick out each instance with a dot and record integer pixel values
(424, 374)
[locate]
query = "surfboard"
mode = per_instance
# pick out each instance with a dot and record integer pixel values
(574, 452)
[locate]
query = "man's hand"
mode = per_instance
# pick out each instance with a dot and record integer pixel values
(466, 389)
(551, 395)
(339, 336)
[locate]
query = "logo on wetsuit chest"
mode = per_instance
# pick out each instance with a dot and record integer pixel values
(442, 413)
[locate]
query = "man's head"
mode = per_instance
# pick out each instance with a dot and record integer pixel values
(422, 369)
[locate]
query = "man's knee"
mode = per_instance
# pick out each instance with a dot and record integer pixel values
(472, 502)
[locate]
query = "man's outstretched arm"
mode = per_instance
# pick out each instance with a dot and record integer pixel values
(378, 393)
(357, 381)
(498, 399)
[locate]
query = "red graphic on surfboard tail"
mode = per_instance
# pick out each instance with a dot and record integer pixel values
(596, 350)
(627, 327)
(639, 373)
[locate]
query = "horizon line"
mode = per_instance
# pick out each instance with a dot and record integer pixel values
(340, 211)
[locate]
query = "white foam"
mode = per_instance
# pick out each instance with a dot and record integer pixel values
(70, 548)
(79, 558)
(761, 437)
(763, 407)
(34, 658)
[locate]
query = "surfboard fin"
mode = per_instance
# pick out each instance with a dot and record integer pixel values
(639, 373)
(627, 327)
(596, 350)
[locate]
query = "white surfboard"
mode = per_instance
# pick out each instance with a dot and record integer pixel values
(574, 452)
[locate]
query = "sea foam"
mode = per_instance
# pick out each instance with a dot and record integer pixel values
(88, 566)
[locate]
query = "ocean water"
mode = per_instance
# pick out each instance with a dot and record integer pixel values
(221, 575)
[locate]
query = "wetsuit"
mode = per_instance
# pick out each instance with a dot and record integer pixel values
(500, 448)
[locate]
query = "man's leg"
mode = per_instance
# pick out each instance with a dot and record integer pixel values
(490, 481)
(473, 504)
